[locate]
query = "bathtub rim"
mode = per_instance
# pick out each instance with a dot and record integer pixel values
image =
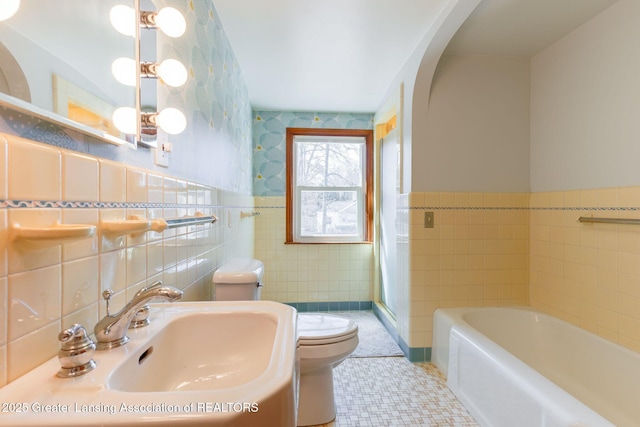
(451, 321)
(445, 317)
(443, 320)
(539, 388)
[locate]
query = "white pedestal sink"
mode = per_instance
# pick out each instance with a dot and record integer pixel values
(198, 363)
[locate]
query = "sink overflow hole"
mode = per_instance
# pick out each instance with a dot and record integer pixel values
(145, 355)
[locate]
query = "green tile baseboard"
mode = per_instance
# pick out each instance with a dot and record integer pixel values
(414, 354)
(386, 323)
(304, 307)
(417, 354)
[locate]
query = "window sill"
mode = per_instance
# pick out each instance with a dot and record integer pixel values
(327, 243)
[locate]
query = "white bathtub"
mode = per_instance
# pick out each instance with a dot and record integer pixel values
(520, 367)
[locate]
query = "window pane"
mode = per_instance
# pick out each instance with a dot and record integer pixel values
(329, 213)
(329, 164)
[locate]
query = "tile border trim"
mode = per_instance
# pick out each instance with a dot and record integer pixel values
(512, 208)
(523, 208)
(48, 204)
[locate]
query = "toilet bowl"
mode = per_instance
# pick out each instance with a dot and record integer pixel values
(324, 341)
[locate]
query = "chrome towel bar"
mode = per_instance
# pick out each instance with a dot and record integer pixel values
(628, 221)
(194, 220)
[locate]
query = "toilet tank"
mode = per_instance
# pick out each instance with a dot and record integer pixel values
(238, 279)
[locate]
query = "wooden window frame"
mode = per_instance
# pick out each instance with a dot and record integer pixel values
(290, 190)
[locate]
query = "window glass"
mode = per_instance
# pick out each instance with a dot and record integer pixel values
(328, 186)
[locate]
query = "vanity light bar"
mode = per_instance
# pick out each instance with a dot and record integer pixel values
(170, 120)
(168, 20)
(129, 21)
(8, 8)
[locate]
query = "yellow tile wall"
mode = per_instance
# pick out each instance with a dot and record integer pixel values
(477, 254)
(588, 274)
(308, 273)
(44, 289)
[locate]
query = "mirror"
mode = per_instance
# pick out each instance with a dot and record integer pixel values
(55, 63)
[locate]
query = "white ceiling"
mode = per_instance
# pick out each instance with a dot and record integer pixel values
(329, 55)
(341, 56)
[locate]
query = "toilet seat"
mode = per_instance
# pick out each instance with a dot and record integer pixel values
(322, 328)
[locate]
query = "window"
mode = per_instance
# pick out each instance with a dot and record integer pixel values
(329, 185)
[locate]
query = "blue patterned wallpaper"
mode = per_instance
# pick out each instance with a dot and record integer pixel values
(216, 147)
(269, 145)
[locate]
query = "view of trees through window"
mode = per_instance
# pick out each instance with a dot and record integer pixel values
(329, 176)
(329, 185)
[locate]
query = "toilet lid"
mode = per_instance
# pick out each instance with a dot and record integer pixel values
(322, 328)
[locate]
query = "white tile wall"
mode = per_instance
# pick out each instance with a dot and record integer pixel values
(79, 177)
(25, 161)
(3, 161)
(47, 287)
(112, 181)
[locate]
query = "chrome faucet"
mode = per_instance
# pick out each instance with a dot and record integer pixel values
(112, 329)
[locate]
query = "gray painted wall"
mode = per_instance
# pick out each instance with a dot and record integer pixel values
(477, 127)
(585, 105)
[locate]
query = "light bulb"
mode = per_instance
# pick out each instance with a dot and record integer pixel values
(171, 120)
(172, 72)
(125, 120)
(123, 19)
(171, 22)
(124, 70)
(8, 8)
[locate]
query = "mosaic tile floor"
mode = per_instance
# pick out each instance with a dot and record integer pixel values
(374, 339)
(391, 391)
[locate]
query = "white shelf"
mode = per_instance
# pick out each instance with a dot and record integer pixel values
(53, 234)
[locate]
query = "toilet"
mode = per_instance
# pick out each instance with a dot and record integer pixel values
(324, 340)
(239, 279)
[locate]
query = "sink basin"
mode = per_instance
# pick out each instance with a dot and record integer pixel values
(214, 351)
(198, 363)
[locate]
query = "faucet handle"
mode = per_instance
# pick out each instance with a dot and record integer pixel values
(141, 318)
(76, 352)
(107, 295)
